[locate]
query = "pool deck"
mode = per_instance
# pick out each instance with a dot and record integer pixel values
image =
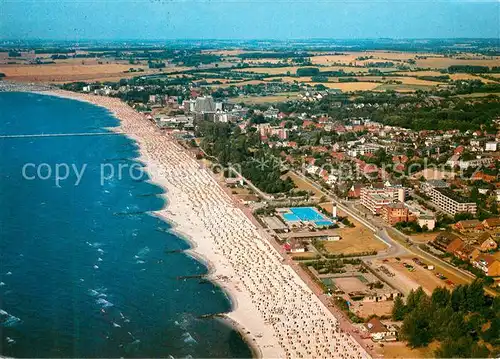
(321, 233)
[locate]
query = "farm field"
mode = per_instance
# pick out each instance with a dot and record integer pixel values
(444, 62)
(264, 99)
(471, 77)
(401, 87)
(264, 61)
(293, 69)
(460, 76)
(238, 83)
(76, 70)
(419, 73)
(415, 81)
(378, 56)
(289, 79)
(406, 80)
(349, 86)
(211, 81)
(479, 94)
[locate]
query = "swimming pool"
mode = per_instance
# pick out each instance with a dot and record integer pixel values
(323, 223)
(307, 214)
(290, 217)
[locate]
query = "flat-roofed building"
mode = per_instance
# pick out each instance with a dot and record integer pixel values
(374, 199)
(451, 202)
(445, 199)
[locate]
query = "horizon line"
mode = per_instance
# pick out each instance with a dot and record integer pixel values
(254, 39)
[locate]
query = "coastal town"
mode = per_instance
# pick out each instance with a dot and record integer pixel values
(343, 197)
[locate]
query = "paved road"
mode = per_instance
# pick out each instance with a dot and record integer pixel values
(396, 248)
(344, 322)
(247, 181)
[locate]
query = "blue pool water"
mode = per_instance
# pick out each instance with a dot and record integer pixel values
(290, 217)
(324, 223)
(86, 270)
(307, 214)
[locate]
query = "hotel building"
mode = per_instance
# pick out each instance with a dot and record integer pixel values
(376, 198)
(445, 199)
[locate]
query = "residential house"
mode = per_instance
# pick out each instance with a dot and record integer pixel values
(488, 264)
(294, 246)
(491, 223)
(471, 225)
(378, 331)
(455, 245)
(443, 239)
(486, 242)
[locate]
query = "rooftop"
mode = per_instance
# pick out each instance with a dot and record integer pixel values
(453, 195)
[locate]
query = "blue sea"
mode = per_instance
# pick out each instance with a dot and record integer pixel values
(85, 269)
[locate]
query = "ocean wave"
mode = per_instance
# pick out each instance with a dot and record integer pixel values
(188, 338)
(98, 293)
(8, 320)
(142, 253)
(104, 303)
(95, 244)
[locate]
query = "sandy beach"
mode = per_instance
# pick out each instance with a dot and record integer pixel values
(272, 307)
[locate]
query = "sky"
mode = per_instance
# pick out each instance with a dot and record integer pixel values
(247, 19)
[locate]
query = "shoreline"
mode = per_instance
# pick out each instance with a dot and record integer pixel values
(271, 307)
(192, 251)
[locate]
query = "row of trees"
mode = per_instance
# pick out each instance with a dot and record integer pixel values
(462, 320)
(231, 147)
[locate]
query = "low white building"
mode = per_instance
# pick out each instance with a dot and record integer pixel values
(490, 146)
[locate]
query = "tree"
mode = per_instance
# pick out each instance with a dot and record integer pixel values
(415, 298)
(416, 329)
(475, 296)
(440, 320)
(440, 297)
(399, 309)
(464, 347)
(492, 335)
(456, 327)
(494, 208)
(459, 298)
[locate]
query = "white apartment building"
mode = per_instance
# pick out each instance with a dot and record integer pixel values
(445, 199)
(485, 161)
(376, 198)
(491, 146)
